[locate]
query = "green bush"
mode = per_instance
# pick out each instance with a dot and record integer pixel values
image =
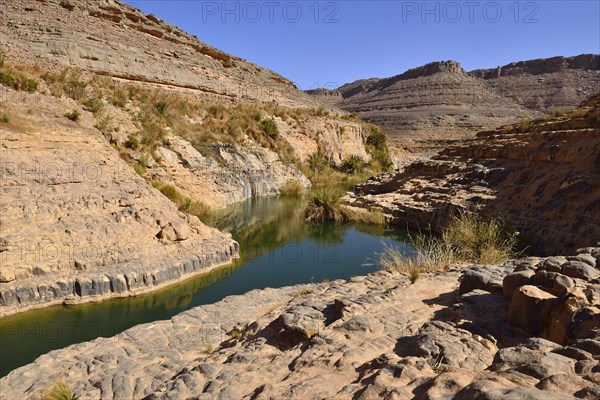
(377, 139)
(468, 238)
(93, 105)
(269, 128)
(324, 205)
(161, 109)
(316, 162)
(132, 142)
(526, 124)
(73, 115)
(353, 164)
(5, 118)
(291, 188)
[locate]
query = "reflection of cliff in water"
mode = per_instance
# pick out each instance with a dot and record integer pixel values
(262, 224)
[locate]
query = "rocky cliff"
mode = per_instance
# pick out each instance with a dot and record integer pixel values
(77, 223)
(541, 176)
(447, 336)
(113, 38)
(442, 100)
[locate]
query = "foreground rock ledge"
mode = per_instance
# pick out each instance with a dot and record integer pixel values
(444, 337)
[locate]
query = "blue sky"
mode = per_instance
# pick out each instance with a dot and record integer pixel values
(329, 43)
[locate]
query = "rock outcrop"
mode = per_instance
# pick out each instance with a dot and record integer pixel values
(112, 38)
(441, 100)
(78, 224)
(546, 182)
(369, 337)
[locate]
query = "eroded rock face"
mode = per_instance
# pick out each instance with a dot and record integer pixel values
(441, 100)
(560, 306)
(116, 39)
(369, 337)
(546, 182)
(78, 224)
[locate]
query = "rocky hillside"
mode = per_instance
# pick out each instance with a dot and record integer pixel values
(458, 335)
(543, 176)
(77, 223)
(442, 100)
(113, 38)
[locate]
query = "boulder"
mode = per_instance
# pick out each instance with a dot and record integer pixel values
(581, 270)
(530, 308)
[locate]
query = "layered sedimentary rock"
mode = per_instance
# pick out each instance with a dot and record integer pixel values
(114, 38)
(445, 336)
(545, 181)
(78, 224)
(442, 100)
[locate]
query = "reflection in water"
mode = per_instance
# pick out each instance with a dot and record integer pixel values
(278, 248)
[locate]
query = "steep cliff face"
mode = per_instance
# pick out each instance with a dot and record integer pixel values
(546, 181)
(113, 38)
(442, 100)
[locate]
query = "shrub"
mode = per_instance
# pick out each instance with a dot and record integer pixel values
(2, 58)
(120, 96)
(324, 205)
(475, 239)
(269, 128)
(354, 164)
(526, 124)
(73, 115)
(132, 142)
(377, 138)
(184, 203)
(468, 238)
(316, 162)
(559, 112)
(291, 188)
(59, 391)
(5, 118)
(161, 109)
(7, 79)
(93, 105)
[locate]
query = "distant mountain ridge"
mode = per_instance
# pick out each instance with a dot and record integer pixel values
(440, 99)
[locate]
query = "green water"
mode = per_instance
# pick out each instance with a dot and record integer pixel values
(278, 248)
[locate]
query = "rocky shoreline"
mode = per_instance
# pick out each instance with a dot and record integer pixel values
(453, 335)
(118, 282)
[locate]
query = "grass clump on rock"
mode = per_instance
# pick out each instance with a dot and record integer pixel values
(184, 203)
(325, 205)
(468, 238)
(59, 391)
(291, 188)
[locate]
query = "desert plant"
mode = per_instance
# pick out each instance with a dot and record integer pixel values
(119, 96)
(132, 142)
(525, 124)
(291, 188)
(316, 162)
(559, 112)
(185, 204)
(93, 104)
(269, 128)
(476, 239)
(161, 109)
(5, 118)
(377, 138)
(353, 164)
(59, 391)
(324, 205)
(2, 58)
(73, 115)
